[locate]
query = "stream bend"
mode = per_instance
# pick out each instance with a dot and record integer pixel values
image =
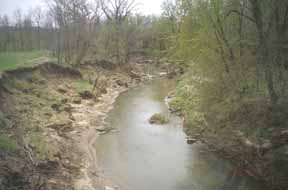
(141, 156)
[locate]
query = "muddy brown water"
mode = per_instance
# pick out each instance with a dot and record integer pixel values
(141, 156)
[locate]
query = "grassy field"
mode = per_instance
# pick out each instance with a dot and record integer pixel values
(12, 60)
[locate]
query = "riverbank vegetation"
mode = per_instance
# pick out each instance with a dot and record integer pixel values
(158, 118)
(233, 94)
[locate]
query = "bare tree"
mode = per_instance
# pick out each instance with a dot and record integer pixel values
(27, 32)
(117, 13)
(5, 33)
(38, 19)
(117, 10)
(75, 20)
(18, 25)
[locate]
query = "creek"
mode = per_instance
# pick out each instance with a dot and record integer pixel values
(141, 156)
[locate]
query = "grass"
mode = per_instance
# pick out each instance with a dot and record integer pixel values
(44, 150)
(12, 60)
(82, 85)
(7, 144)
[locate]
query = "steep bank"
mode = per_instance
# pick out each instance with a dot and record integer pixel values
(50, 117)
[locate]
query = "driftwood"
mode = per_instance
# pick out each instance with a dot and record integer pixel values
(95, 84)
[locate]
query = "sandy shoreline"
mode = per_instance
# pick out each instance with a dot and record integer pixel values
(92, 178)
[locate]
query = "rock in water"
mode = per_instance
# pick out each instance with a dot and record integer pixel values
(158, 119)
(191, 140)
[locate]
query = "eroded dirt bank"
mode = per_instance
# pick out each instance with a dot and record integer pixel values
(50, 116)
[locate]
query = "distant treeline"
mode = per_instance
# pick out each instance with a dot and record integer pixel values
(17, 39)
(71, 29)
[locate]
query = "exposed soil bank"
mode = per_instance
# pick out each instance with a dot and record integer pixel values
(50, 117)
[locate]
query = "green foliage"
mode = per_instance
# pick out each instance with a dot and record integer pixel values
(44, 149)
(159, 118)
(7, 144)
(177, 103)
(188, 100)
(12, 60)
(220, 47)
(82, 85)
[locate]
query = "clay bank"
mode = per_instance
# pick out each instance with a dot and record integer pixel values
(50, 117)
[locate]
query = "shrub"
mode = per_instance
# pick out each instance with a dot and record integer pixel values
(158, 118)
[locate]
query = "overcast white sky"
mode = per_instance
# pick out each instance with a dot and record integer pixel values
(8, 6)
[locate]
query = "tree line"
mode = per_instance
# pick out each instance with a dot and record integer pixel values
(239, 46)
(24, 31)
(234, 94)
(71, 29)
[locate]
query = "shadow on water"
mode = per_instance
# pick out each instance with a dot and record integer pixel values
(141, 156)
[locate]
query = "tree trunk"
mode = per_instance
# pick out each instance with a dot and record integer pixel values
(39, 38)
(264, 52)
(270, 84)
